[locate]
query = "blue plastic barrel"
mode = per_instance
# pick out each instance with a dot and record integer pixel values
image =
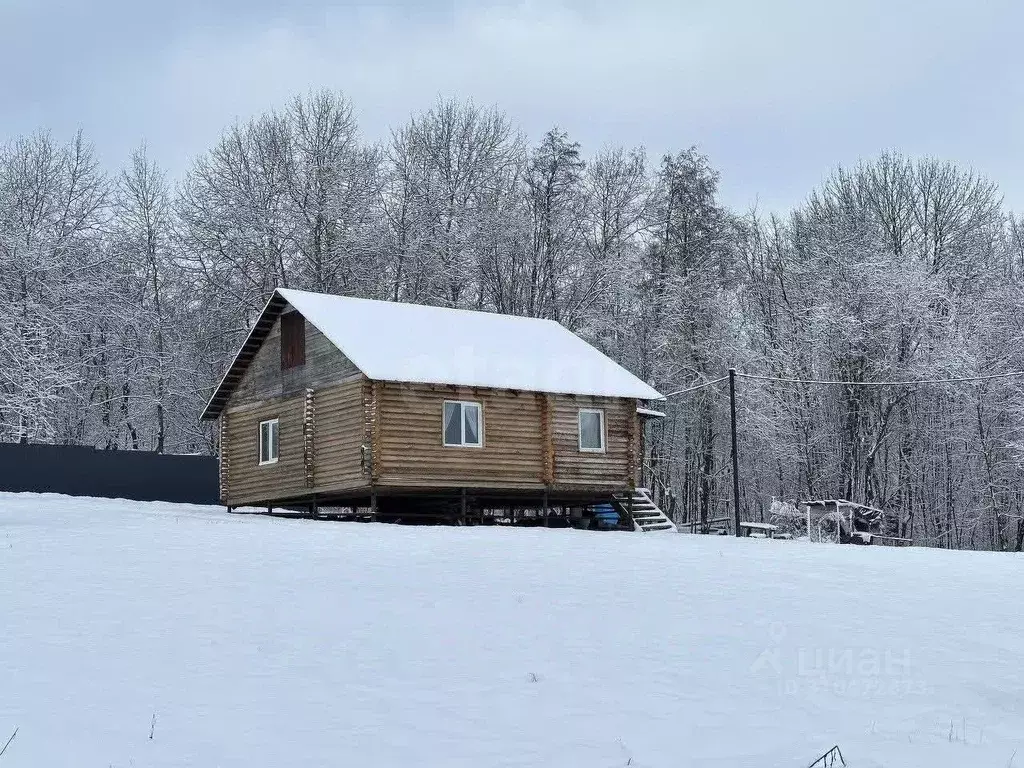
(605, 516)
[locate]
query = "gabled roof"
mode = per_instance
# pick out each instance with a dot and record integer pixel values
(842, 503)
(412, 343)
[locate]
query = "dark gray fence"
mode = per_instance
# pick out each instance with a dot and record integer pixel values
(82, 471)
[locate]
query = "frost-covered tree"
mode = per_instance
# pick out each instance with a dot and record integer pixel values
(53, 205)
(125, 296)
(444, 170)
(896, 270)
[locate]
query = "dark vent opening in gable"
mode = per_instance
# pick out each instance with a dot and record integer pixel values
(293, 340)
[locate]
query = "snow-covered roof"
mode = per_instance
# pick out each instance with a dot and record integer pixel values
(412, 343)
(392, 341)
(650, 413)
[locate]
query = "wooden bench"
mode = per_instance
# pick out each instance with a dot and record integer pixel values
(758, 530)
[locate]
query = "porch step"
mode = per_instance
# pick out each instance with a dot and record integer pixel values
(647, 516)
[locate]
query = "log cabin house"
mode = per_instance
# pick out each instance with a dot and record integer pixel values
(391, 407)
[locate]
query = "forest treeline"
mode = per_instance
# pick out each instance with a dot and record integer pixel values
(125, 294)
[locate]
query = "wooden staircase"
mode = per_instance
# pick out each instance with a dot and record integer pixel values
(647, 516)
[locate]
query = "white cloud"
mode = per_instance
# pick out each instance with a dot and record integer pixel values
(776, 92)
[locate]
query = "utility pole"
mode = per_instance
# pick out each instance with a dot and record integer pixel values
(735, 453)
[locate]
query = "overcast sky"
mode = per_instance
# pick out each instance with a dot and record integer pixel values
(777, 92)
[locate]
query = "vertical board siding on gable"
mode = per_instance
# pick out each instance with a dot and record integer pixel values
(264, 380)
(340, 434)
(578, 469)
(248, 482)
(293, 340)
(408, 445)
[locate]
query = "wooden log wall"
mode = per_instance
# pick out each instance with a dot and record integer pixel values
(530, 440)
(611, 468)
(409, 449)
(340, 426)
(247, 481)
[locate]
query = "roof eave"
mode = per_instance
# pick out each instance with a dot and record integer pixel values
(253, 341)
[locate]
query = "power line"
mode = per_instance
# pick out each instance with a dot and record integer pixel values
(907, 383)
(696, 387)
(842, 382)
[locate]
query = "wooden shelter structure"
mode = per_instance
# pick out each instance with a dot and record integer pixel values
(413, 411)
(851, 523)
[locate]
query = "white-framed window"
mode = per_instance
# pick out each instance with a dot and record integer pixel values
(592, 431)
(268, 441)
(462, 424)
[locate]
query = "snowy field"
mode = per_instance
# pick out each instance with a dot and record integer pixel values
(159, 635)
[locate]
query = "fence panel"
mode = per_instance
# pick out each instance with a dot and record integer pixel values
(83, 471)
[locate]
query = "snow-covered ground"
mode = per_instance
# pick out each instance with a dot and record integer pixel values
(139, 634)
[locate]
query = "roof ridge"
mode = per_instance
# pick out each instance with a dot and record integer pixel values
(441, 307)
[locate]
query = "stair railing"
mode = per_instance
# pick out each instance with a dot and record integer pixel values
(663, 488)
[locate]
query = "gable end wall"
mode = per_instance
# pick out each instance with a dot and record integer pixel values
(264, 379)
(320, 435)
